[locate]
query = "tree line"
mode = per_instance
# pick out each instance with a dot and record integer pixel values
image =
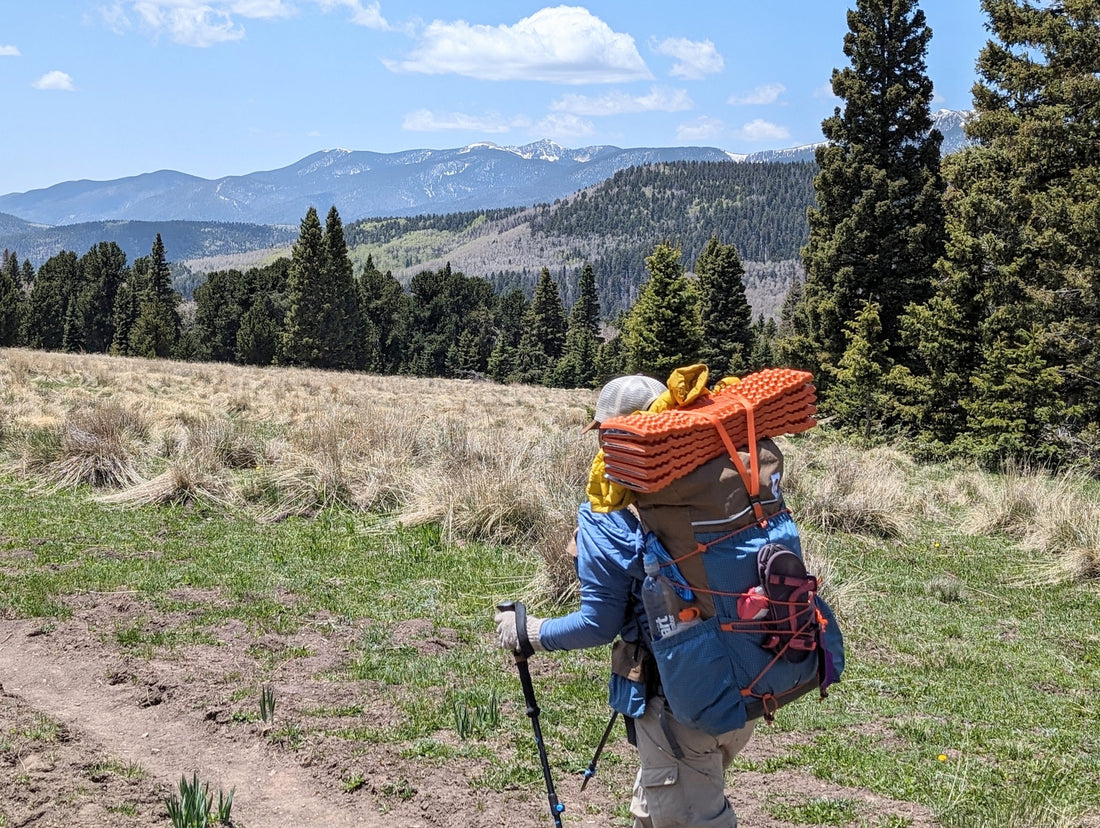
(313, 310)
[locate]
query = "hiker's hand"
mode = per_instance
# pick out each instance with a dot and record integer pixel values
(508, 633)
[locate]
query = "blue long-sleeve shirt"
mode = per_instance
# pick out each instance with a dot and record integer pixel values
(609, 567)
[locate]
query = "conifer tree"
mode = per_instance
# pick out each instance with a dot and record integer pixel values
(343, 323)
(127, 306)
(48, 302)
(383, 311)
(221, 303)
(877, 228)
(510, 316)
(11, 306)
(764, 354)
(577, 366)
(724, 310)
(663, 331)
(543, 338)
(90, 323)
(258, 334)
(1009, 340)
(156, 331)
(301, 342)
(857, 397)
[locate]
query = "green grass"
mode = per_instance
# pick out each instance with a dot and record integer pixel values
(954, 651)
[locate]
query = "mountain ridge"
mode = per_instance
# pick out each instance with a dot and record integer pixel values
(367, 184)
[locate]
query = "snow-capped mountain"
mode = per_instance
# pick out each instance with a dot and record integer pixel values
(365, 184)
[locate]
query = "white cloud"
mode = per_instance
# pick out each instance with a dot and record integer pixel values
(825, 91)
(695, 59)
(761, 130)
(55, 81)
(562, 127)
(369, 15)
(9, 51)
(424, 120)
(767, 94)
(620, 103)
(704, 128)
(565, 44)
(189, 22)
(194, 22)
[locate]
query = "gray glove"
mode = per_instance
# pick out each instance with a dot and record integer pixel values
(508, 634)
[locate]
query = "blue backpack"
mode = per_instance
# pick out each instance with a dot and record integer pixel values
(771, 638)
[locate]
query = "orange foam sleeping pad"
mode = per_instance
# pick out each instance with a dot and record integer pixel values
(646, 452)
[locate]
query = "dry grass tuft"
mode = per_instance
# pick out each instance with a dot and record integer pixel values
(838, 487)
(1046, 514)
(186, 480)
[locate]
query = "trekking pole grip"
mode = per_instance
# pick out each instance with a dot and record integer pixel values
(525, 648)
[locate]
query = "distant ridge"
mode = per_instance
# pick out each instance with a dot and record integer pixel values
(366, 184)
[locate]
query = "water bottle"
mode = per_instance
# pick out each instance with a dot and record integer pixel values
(667, 613)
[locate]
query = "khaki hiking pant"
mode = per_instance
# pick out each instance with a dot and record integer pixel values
(682, 785)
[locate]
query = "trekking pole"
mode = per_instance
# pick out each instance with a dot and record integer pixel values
(591, 770)
(525, 649)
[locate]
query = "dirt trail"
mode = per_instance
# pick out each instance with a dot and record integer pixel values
(271, 791)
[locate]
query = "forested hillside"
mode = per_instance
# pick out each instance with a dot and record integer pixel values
(759, 208)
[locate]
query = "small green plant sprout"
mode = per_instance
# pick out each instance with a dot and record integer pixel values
(476, 720)
(193, 806)
(267, 703)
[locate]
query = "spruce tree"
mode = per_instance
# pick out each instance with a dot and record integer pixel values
(156, 331)
(342, 330)
(48, 302)
(543, 338)
(511, 313)
(724, 310)
(383, 311)
(221, 303)
(1009, 340)
(127, 306)
(258, 334)
(857, 397)
(90, 323)
(301, 342)
(577, 366)
(11, 305)
(663, 331)
(877, 228)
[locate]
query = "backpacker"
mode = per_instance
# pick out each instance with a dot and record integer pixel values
(720, 536)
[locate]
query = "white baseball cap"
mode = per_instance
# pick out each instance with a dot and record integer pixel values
(625, 395)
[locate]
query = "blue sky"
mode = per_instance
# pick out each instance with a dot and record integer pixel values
(103, 89)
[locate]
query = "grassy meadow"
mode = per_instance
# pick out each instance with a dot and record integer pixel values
(382, 518)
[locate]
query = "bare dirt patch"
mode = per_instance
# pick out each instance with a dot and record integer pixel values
(180, 710)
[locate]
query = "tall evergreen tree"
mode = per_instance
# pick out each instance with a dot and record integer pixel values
(90, 321)
(442, 306)
(1009, 340)
(384, 311)
(156, 331)
(301, 342)
(724, 310)
(877, 228)
(544, 329)
(577, 366)
(11, 304)
(257, 336)
(128, 305)
(857, 397)
(343, 323)
(510, 317)
(221, 303)
(48, 303)
(663, 331)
